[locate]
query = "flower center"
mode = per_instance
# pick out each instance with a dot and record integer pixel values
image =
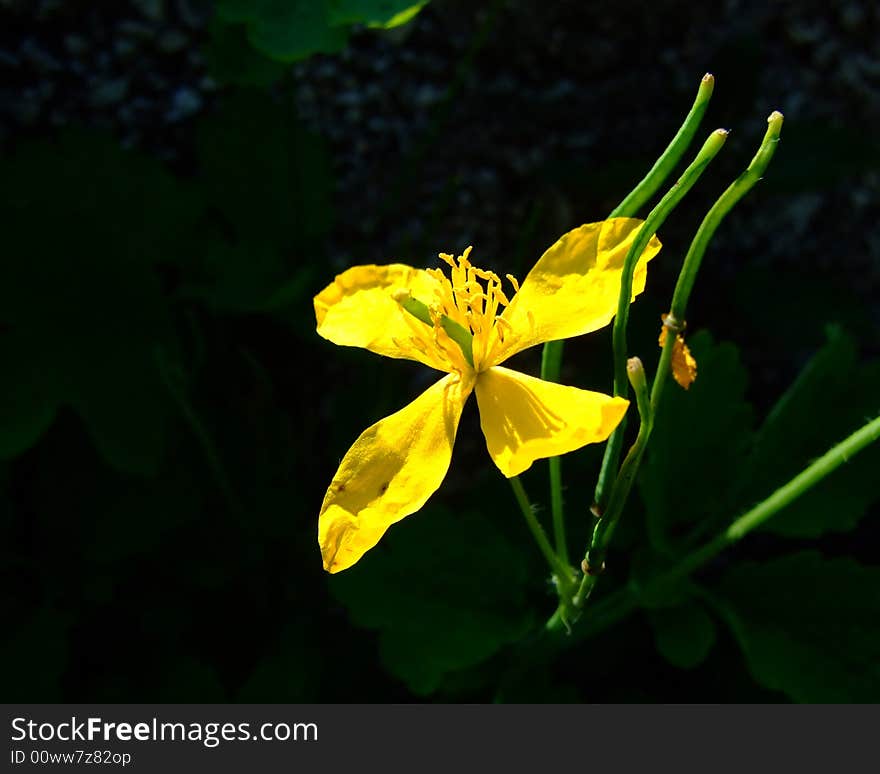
(473, 298)
(463, 313)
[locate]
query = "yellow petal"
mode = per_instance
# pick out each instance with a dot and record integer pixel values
(358, 310)
(525, 419)
(574, 286)
(684, 364)
(390, 472)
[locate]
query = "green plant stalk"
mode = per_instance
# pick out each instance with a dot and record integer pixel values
(739, 188)
(652, 223)
(551, 359)
(786, 494)
(551, 356)
(206, 443)
(674, 322)
(557, 509)
(594, 561)
(562, 572)
(551, 362)
(622, 602)
(649, 185)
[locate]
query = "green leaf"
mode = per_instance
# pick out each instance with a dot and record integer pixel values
(700, 436)
(807, 625)
(386, 14)
(832, 397)
(267, 175)
(285, 30)
(81, 309)
(684, 634)
(289, 30)
(137, 518)
(35, 656)
(191, 679)
(231, 58)
(270, 181)
(290, 672)
(445, 590)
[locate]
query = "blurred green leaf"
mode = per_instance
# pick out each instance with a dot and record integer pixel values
(270, 181)
(28, 395)
(684, 634)
(286, 30)
(267, 175)
(807, 625)
(289, 30)
(700, 436)
(34, 655)
(81, 309)
(705, 462)
(289, 672)
(386, 14)
(832, 397)
(445, 590)
(231, 58)
(191, 677)
(135, 518)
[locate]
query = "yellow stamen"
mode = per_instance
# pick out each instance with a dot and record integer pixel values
(471, 297)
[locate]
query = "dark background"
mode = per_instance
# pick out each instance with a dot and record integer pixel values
(169, 420)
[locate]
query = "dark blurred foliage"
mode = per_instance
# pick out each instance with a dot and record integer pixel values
(169, 420)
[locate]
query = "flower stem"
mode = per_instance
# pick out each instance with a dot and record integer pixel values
(551, 364)
(625, 599)
(636, 199)
(562, 572)
(551, 356)
(594, 561)
(740, 187)
(556, 508)
(622, 485)
(652, 223)
(725, 203)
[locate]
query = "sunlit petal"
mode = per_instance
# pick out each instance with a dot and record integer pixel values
(358, 310)
(574, 287)
(390, 472)
(525, 419)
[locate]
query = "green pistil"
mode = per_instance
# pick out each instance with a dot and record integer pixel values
(458, 333)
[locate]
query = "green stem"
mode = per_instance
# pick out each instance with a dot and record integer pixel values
(652, 223)
(594, 561)
(172, 378)
(561, 572)
(650, 184)
(675, 320)
(551, 356)
(739, 188)
(551, 364)
(622, 485)
(623, 601)
(635, 200)
(765, 510)
(551, 361)
(557, 509)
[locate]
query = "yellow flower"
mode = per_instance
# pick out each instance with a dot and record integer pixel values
(455, 324)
